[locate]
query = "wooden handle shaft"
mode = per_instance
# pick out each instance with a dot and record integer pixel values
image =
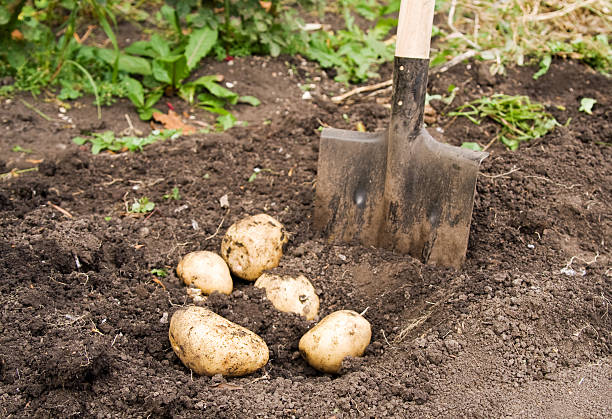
(414, 28)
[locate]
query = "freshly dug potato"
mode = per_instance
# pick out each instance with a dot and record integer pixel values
(209, 344)
(342, 333)
(253, 245)
(206, 271)
(289, 294)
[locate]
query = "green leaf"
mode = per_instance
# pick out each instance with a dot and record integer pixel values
(175, 194)
(16, 57)
(170, 70)
(225, 122)
(511, 143)
(160, 46)
(143, 205)
(80, 140)
(20, 149)
(275, 49)
(162, 273)
(128, 63)
(135, 92)
(96, 148)
(5, 16)
(471, 146)
(544, 66)
(210, 101)
(153, 98)
(172, 18)
(220, 91)
(143, 48)
(161, 73)
(146, 114)
(251, 100)
(586, 105)
(199, 45)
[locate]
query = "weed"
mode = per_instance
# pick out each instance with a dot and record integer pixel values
(142, 206)
(107, 141)
(174, 194)
(447, 100)
(526, 31)
(520, 119)
(20, 149)
(160, 272)
(586, 105)
(355, 54)
(256, 171)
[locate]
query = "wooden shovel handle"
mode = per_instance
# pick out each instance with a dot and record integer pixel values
(414, 28)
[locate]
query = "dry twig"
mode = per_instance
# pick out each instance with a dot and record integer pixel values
(60, 209)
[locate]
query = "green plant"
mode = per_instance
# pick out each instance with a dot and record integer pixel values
(519, 118)
(107, 141)
(525, 32)
(447, 100)
(142, 206)
(20, 149)
(355, 54)
(214, 98)
(256, 171)
(144, 71)
(174, 194)
(247, 27)
(162, 273)
(586, 105)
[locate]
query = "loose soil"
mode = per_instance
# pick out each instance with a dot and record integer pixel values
(522, 330)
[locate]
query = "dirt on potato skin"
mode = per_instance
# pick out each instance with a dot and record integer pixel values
(84, 327)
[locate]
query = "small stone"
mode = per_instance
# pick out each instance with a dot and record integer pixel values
(224, 201)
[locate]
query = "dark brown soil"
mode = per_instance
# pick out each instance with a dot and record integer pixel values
(523, 330)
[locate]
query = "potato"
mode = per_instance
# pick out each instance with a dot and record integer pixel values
(206, 271)
(209, 344)
(253, 245)
(340, 334)
(289, 294)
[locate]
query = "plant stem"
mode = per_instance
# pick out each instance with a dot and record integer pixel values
(226, 12)
(38, 111)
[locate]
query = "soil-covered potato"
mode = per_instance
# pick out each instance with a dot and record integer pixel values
(206, 271)
(290, 294)
(209, 344)
(253, 245)
(342, 333)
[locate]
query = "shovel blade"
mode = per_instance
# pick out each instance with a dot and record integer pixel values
(429, 198)
(350, 183)
(415, 196)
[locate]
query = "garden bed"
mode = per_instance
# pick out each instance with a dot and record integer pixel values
(523, 329)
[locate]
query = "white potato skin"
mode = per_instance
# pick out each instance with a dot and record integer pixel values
(340, 334)
(290, 294)
(209, 344)
(253, 245)
(206, 271)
